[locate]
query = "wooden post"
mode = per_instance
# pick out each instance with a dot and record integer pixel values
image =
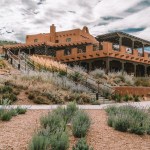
(132, 46)
(107, 65)
(120, 43)
(143, 50)
(135, 70)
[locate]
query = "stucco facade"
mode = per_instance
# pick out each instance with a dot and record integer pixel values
(112, 52)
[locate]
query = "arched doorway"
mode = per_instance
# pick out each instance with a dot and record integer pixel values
(98, 64)
(129, 68)
(148, 70)
(115, 66)
(140, 71)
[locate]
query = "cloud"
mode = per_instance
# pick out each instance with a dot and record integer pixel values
(101, 16)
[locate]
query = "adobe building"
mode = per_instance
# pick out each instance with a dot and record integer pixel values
(113, 52)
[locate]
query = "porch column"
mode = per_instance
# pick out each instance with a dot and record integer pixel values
(145, 71)
(120, 43)
(107, 65)
(122, 67)
(29, 51)
(132, 46)
(90, 66)
(45, 50)
(143, 47)
(134, 70)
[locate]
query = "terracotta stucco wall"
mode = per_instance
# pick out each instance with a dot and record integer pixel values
(133, 90)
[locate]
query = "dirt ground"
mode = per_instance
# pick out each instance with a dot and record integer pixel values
(16, 134)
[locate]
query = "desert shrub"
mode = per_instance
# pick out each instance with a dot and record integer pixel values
(6, 116)
(13, 112)
(117, 97)
(128, 118)
(81, 145)
(80, 124)
(62, 73)
(142, 82)
(2, 64)
(59, 141)
(136, 98)
(76, 76)
(71, 110)
(1, 112)
(12, 97)
(5, 101)
(40, 100)
(20, 110)
(31, 96)
(120, 122)
(53, 97)
(126, 98)
(98, 73)
(6, 89)
(81, 98)
(106, 90)
(53, 121)
(39, 142)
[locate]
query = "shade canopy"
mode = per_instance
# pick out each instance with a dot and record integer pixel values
(127, 39)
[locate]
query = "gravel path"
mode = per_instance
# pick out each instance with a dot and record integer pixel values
(16, 134)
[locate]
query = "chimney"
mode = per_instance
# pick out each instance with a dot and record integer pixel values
(52, 33)
(52, 29)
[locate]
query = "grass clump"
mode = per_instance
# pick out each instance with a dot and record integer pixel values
(6, 116)
(128, 119)
(54, 128)
(20, 110)
(80, 124)
(59, 141)
(39, 142)
(81, 145)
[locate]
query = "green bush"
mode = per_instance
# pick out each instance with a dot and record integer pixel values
(81, 145)
(80, 124)
(128, 118)
(39, 142)
(20, 110)
(136, 98)
(12, 97)
(117, 97)
(13, 112)
(59, 141)
(126, 98)
(5, 102)
(53, 121)
(31, 96)
(6, 89)
(6, 116)
(120, 123)
(71, 110)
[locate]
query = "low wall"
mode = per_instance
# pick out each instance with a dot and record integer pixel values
(133, 90)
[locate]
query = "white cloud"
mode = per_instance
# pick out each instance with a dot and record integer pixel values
(21, 17)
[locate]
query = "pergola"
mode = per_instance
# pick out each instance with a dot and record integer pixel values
(124, 39)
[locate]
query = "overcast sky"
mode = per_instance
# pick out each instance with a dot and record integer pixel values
(21, 17)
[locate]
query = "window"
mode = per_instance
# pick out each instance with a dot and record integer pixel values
(115, 47)
(97, 47)
(68, 39)
(35, 40)
(52, 53)
(81, 49)
(67, 51)
(57, 41)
